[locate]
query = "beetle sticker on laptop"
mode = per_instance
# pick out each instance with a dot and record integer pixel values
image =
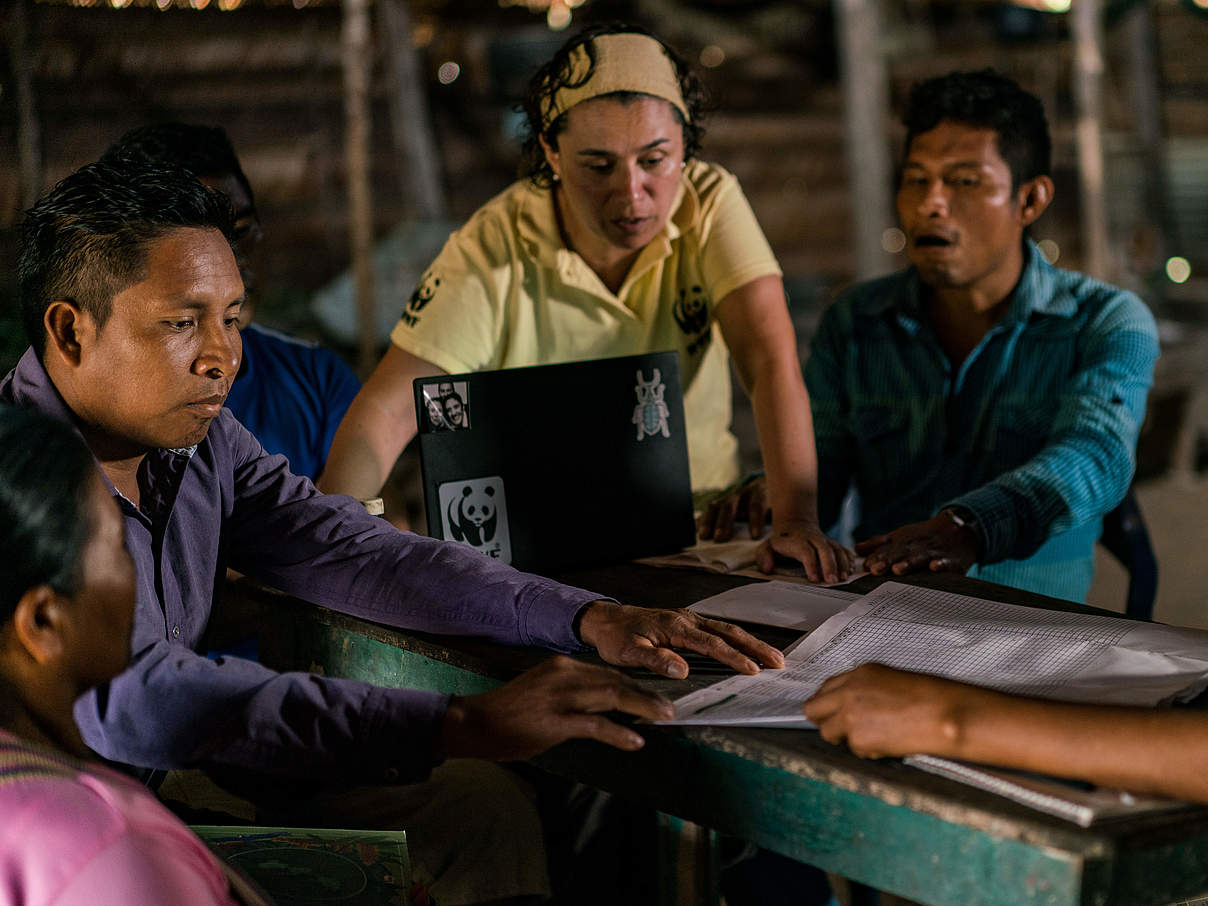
(650, 414)
(474, 512)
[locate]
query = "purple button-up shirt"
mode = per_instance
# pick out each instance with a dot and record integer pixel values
(227, 502)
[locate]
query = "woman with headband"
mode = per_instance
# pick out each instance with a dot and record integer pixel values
(618, 242)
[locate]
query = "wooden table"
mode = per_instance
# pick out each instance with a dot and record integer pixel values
(879, 822)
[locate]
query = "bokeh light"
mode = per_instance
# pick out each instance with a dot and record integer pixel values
(1050, 249)
(893, 240)
(712, 56)
(1178, 269)
(448, 72)
(559, 15)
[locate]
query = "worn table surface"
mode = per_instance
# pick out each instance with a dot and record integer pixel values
(880, 822)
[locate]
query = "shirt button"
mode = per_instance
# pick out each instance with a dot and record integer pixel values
(176, 632)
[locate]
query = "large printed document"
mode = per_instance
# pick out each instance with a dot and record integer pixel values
(1078, 657)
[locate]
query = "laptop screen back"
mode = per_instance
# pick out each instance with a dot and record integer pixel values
(558, 465)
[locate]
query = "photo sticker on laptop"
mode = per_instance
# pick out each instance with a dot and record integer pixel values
(446, 406)
(474, 511)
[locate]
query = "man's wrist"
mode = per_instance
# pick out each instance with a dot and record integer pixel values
(964, 518)
(588, 613)
(444, 742)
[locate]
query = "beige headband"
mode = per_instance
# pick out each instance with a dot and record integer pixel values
(624, 62)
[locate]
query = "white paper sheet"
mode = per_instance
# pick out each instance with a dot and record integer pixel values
(789, 605)
(1048, 654)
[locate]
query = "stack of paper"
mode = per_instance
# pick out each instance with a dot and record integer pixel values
(1043, 653)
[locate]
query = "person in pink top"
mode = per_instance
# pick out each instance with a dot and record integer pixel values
(74, 832)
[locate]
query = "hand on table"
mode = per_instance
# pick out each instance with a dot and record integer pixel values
(881, 712)
(938, 544)
(747, 500)
(824, 559)
(557, 700)
(643, 637)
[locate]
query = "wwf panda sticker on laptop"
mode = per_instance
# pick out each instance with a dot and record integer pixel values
(474, 511)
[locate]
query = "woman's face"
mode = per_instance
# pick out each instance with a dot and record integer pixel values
(454, 411)
(436, 414)
(103, 607)
(618, 167)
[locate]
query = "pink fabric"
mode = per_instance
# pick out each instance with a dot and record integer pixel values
(94, 837)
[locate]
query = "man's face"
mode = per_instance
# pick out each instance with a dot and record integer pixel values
(248, 233)
(157, 373)
(454, 411)
(963, 223)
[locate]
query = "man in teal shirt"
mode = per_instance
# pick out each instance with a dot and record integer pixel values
(984, 404)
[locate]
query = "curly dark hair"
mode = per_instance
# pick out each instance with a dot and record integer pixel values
(986, 99)
(555, 75)
(86, 240)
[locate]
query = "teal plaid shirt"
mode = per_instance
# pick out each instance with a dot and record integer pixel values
(1035, 433)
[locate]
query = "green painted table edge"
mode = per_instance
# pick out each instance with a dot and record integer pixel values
(946, 863)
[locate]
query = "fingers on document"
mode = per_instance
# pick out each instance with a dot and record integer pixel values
(735, 647)
(588, 691)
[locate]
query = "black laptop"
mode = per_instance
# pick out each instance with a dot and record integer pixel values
(558, 465)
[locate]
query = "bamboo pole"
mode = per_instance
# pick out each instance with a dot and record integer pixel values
(1147, 109)
(29, 134)
(411, 125)
(357, 59)
(1087, 25)
(865, 83)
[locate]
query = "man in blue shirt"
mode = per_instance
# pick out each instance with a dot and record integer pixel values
(984, 404)
(290, 393)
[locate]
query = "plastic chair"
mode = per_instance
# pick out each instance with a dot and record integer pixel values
(1127, 539)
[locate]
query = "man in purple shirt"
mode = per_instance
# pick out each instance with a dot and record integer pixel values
(130, 296)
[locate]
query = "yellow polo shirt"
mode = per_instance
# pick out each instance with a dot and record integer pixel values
(505, 292)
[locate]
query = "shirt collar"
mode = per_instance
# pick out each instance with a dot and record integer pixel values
(1035, 293)
(32, 388)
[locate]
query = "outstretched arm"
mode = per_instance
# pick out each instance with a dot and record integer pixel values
(755, 322)
(1082, 469)
(378, 424)
(880, 712)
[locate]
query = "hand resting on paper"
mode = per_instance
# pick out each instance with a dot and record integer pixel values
(557, 700)
(643, 637)
(881, 712)
(799, 540)
(937, 544)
